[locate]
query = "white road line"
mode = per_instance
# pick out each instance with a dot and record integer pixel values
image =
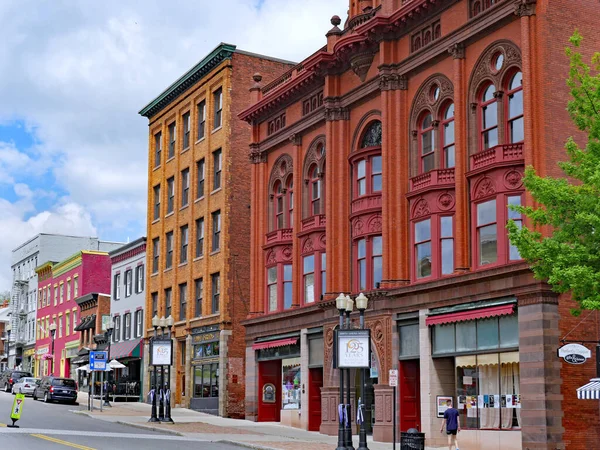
(98, 434)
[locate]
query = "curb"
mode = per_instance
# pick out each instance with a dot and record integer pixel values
(151, 428)
(245, 444)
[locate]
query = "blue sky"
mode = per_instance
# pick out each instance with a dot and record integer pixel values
(73, 76)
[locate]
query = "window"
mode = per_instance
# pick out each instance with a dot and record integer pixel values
(155, 254)
(423, 248)
(128, 282)
(201, 119)
(62, 291)
(216, 231)
(117, 330)
(75, 288)
(279, 287)
(60, 326)
(279, 208)
(409, 340)
(182, 301)
(323, 273)
(448, 136)
(447, 244)
(218, 107)
(487, 233)
(168, 295)
(55, 295)
(127, 327)
(515, 200)
(367, 172)
(156, 202)
(171, 194)
(183, 240)
(290, 201)
(291, 383)
(206, 379)
(309, 278)
(68, 289)
(515, 126)
(315, 191)
(154, 297)
(199, 291)
(169, 258)
(185, 187)
(139, 279)
(172, 136)
(488, 116)
(215, 280)
(117, 286)
(67, 323)
(74, 320)
(199, 237)
(200, 178)
(427, 144)
(157, 148)
(186, 130)
(217, 165)
(368, 257)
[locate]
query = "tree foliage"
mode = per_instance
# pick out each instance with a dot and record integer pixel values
(569, 259)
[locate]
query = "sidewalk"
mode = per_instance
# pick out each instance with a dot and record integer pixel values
(201, 426)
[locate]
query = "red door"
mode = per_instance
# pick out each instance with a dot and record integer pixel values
(409, 395)
(269, 391)
(315, 380)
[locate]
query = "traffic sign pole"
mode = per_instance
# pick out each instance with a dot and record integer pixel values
(394, 383)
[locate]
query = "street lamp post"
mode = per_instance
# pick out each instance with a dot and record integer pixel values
(340, 304)
(52, 329)
(167, 395)
(153, 392)
(108, 333)
(349, 445)
(361, 304)
(8, 329)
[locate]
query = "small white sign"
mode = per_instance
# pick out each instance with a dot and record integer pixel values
(393, 378)
(161, 353)
(574, 353)
(354, 349)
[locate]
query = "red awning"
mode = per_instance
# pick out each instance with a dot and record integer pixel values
(462, 316)
(271, 344)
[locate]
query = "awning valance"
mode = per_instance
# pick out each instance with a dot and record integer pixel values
(80, 360)
(272, 344)
(462, 316)
(590, 391)
(86, 322)
(126, 349)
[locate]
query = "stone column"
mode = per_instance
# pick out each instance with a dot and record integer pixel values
(384, 419)
(146, 371)
(540, 386)
(251, 385)
(223, 358)
(296, 140)
(189, 370)
(304, 375)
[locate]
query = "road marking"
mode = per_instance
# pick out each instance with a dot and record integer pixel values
(2, 425)
(59, 441)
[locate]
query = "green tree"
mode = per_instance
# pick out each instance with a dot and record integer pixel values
(569, 259)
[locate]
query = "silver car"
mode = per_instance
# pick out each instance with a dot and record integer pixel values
(25, 385)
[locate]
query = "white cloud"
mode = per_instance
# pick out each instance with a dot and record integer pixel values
(78, 72)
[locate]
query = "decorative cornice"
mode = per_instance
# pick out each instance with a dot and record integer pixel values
(296, 139)
(256, 156)
(457, 50)
(391, 80)
(524, 7)
(337, 113)
(187, 80)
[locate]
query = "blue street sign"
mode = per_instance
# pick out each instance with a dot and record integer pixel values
(98, 360)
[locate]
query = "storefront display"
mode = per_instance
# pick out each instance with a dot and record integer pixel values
(291, 381)
(205, 369)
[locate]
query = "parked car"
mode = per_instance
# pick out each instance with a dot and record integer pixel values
(56, 389)
(10, 377)
(25, 385)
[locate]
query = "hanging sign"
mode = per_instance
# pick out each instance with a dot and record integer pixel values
(161, 352)
(354, 349)
(574, 353)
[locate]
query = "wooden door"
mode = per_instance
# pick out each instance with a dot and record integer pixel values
(314, 398)
(269, 391)
(409, 395)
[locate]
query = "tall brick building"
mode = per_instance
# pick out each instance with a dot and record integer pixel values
(199, 222)
(385, 163)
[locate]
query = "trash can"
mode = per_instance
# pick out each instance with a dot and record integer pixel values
(412, 440)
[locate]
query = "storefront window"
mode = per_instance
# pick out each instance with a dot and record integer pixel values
(488, 393)
(291, 383)
(206, 380)
(409, 340)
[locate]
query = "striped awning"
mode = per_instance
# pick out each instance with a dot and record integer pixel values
(273, 344)
(462, 316)
(126, 349)
(590, 391)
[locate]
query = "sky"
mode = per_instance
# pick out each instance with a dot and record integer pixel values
(74, 74)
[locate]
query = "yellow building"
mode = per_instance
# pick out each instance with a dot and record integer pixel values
(199, 225)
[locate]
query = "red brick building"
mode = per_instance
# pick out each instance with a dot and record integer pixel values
(404, 142)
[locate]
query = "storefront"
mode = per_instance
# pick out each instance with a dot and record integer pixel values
(29, 359)
(127, 380)
(41, 363)
(205, 369)
(69, 353)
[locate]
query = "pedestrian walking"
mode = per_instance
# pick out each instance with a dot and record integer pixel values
(452, 423)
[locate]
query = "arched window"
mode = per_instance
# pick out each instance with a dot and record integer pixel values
(448, 135)
(427, 38)
(278, 207)
(488, 117)
(426, 143)
(315, 191)
(515, 129)
(367, 169)
(290, 201)
(416, 43)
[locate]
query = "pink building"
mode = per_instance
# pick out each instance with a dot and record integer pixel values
(59, 284)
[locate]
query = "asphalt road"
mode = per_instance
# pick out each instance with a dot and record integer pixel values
(53, 426)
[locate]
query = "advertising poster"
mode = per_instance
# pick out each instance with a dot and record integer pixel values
(509, 400)
(462, 402)
(442, 406)
(354, 349)
(496, 400)
(480, 402)
(162, 353)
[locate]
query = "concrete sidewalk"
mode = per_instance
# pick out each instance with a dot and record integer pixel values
(194, 424)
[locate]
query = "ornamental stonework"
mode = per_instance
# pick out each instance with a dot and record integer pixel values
(484, 187)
